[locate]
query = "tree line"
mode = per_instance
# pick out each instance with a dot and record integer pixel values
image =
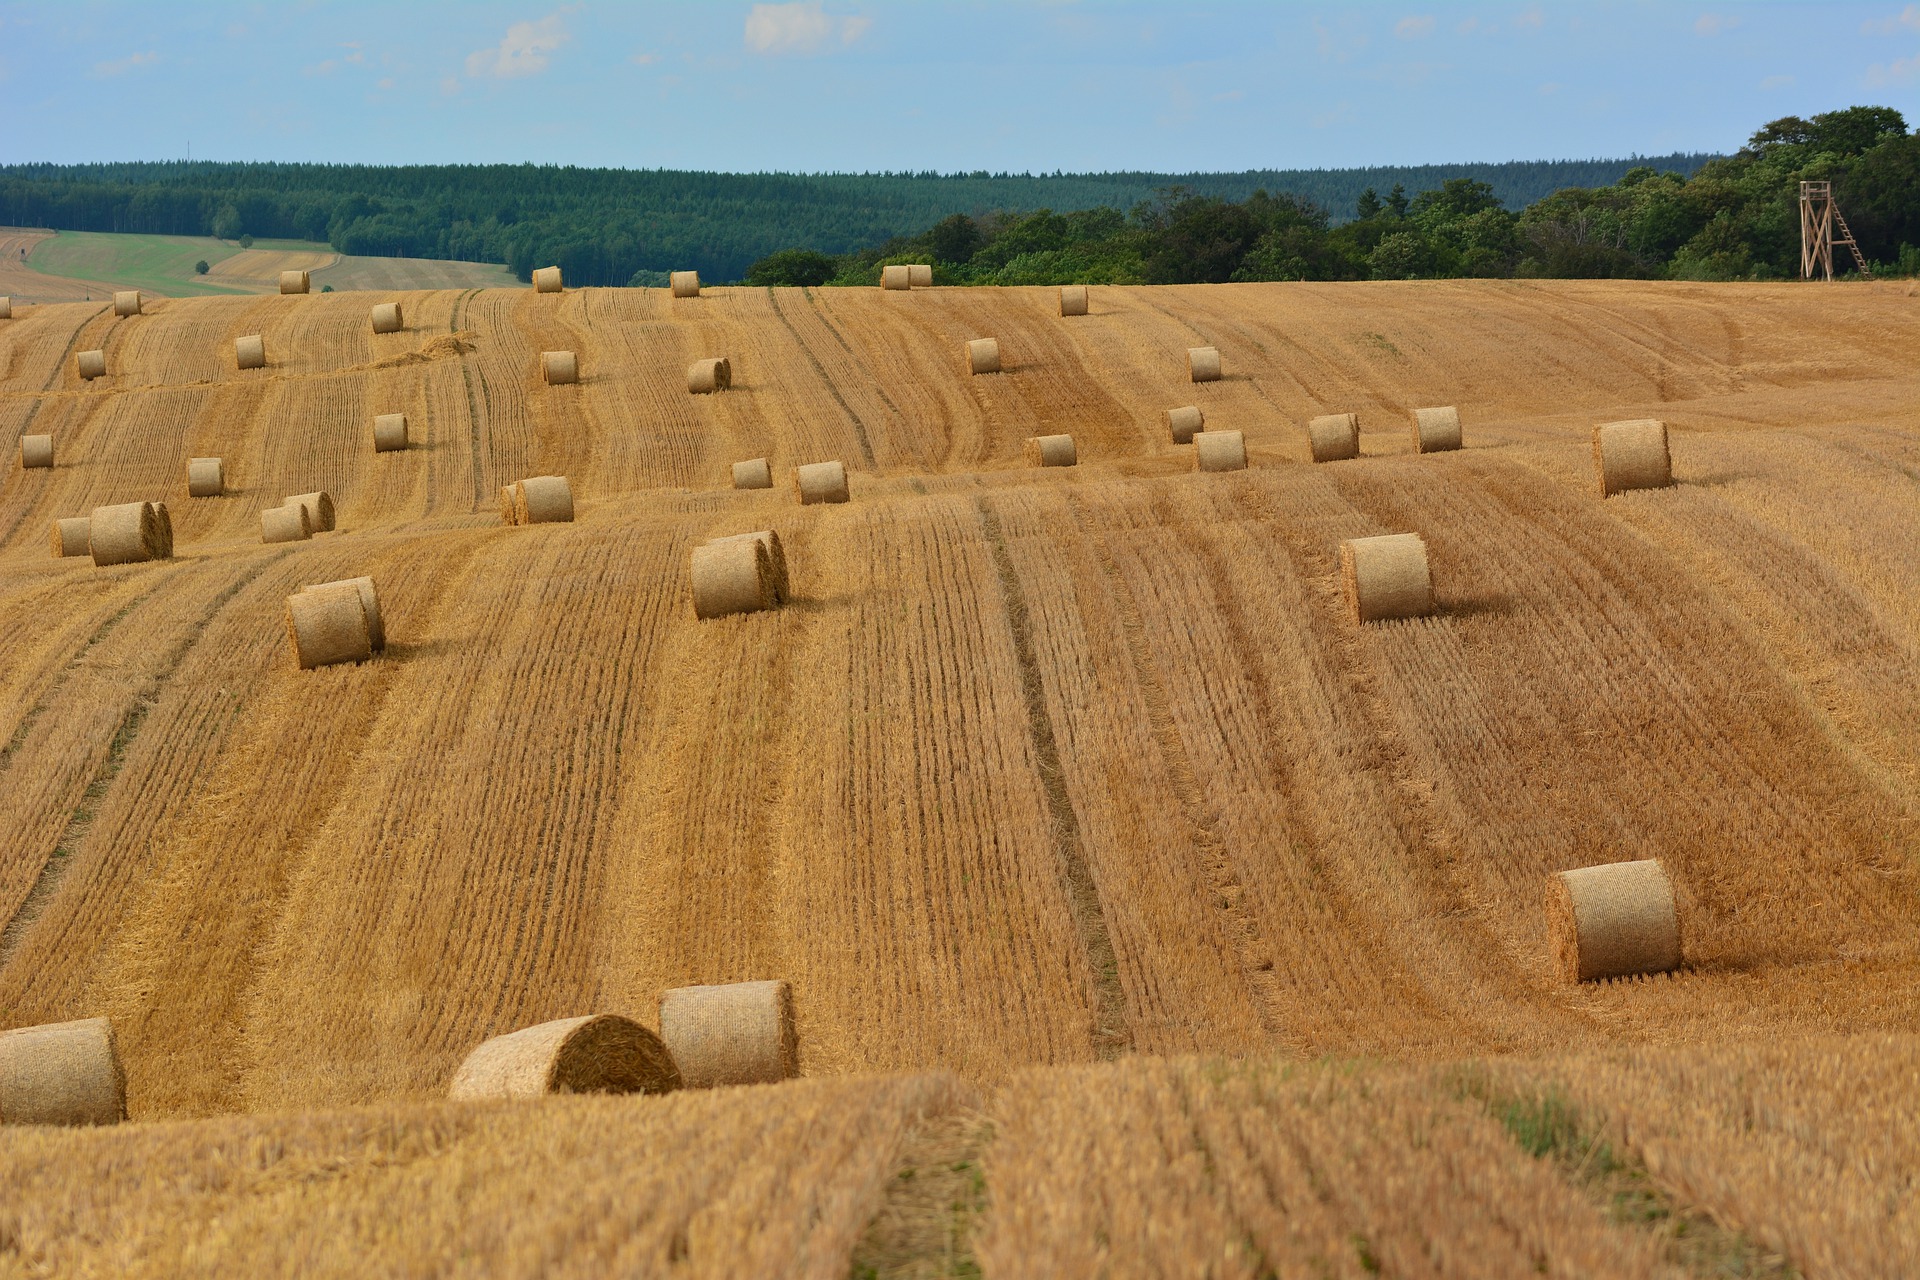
(1733, 218)
(615, 226)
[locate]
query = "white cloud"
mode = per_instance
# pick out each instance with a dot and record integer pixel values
(1908, 17)
(801, 27)
(120, 66)
(1530, 19)
(1712, 24)
(644, 59)
(1899, 71)
(524, 51)
(1414, 28)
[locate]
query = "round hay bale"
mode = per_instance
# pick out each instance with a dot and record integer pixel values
(369, 603)
(1073, 299)
(164, 520)
(1631, 455)
(509, 505)
(328, 625)
(1219, 451)
(250, 352)
(70, 536)
(1334, 436)
(319, 505)
(896, 277)
(543, 500)
(36, 451)
(547, 280)
(389, 432)
(1050, 451)
(1184, 423)
(293, 282)
(920, 275)
(821, 482)
(776, 553)
(388, 317)
(6, 307)
(559, 368)
(983, 355)
(1613, 920)
(731, 576)
(290, 523)
(739, 1033)
(62, 1073)
(685, 284)
(206, 477)
(755, 473)
(602, 1053)
(1436, 430)
(704, 376)
(1386, 577)
(126, 302)
(91, 364)
(1203, 364)
(125, 533)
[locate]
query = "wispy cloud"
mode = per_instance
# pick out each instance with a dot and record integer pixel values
(1908, 17)
(1776, 82)
(644, 59)
(1530, 19)
(525, 50)
(1413, 28)
(120, 66)
(1713, 24)
(1899, 71)
(801, 27)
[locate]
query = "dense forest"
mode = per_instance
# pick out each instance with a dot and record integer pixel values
(1735, 218)
(615, 226)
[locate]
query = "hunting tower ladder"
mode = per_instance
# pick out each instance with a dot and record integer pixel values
(1822, 230)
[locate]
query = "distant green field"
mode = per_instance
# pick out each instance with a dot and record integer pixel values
(162, 264)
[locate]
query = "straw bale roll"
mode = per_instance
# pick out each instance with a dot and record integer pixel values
(714, 374)
(389, 432)
(1613, 920)
(206, 477)
(920, 275)
(821, 482)
(896, 277)
(543, 500)
(755, 473)
(70, 536)
(1334, 436)
(293, 282)
(1436, 430)
(62, 1073)
(6, 307)
(328, 625)
(559, 368)
(1631, 455)
(125, 533)
(126, 302)
(369, 603)
(1386, 576)
(91, 364)
(250, 352)
(740, 1033)
(290, 523)
(731, 576)
(163, 520)
(547, 280)
(509, 504)
(387, 317)
(36, 451)
(319, 505)
(1050, 451)
(1184, 423)
(685, 284)
(1203, 364)
(775, 553)
(983, 355)
(1219, 451)
(601, 1053)
(1073, 299)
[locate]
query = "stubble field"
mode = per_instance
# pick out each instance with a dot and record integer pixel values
(1070, 800)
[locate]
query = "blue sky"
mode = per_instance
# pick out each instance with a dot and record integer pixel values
(933, 84)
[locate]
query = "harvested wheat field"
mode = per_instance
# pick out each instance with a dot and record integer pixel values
(1117, 871)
